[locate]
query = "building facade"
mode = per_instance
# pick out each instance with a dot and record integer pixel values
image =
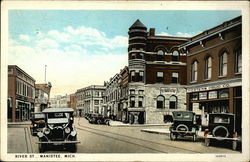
(157, 75)
(89, 99)
(42, 96)
(214, 69)
(59, 101)
(21, 94)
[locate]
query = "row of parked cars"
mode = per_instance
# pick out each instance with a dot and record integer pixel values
(221, 127)
(97, 118)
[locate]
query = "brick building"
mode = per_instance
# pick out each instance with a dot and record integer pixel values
(214, 69)
(157, 75)
(21, 94)
(89, 99)
(42, 96)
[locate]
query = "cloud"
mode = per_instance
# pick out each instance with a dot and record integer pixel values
(24, 37)
(164, 34)
(180, 34)
(47, 43)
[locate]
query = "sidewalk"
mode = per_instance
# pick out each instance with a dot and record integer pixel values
(166, 131)
(113, 123)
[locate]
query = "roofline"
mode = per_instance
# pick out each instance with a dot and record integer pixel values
(189, 43)
(169, 38)
(15, 66)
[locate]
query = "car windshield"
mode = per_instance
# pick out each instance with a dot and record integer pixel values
(58, 117)
(221, 119)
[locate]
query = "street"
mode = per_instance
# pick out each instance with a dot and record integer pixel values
(107, 139)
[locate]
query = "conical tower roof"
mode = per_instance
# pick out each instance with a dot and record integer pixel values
(138, 24)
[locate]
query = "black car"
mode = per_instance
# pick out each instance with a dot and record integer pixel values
(37, 123)
(98, 119)
(58, 130)
(221, 126)
(184, 124)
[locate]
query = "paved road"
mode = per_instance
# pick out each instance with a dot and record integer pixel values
(107, 139)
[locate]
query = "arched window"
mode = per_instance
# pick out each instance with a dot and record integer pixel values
(223, 64)
(173, 102)
(194, 71)
(160, 102)
(160, 55)
(175, 56)
(238, 61)
(208, 67)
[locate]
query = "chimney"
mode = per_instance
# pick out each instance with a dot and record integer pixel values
(152, 32)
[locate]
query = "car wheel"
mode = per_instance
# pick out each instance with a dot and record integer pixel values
(234, 145)
(99, 121)
(171, 136)
(207, 142)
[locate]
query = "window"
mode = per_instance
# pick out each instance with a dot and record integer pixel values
(208, 67)
(133, 56)
(133, 76)
(175, 77)
(159, 78)
(238, 61)
(160, 55)
(194, 71)
(173, 102)
(132, 91)
(223, 64)
(175, 56)
(141, 73)
(140, 56)
(132, 101)
(140, 103)
(141, 92)
(160, 102)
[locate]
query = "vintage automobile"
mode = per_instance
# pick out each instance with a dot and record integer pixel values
(98, 119)
(184, 124)
(37, 123)
(221, 126)
(58, 130)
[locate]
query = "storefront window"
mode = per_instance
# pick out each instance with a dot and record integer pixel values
(223, 93)
(194, 96)
(203, 95)
(212, 95)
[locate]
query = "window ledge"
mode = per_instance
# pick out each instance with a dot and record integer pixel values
(207, 79)
(222, 76)
(238, 73)
(193, 82)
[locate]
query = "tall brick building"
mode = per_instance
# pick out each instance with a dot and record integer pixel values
(214, 70)
(157, 75)
(21, 94)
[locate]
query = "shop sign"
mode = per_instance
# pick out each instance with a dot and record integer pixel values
(171, 90)
(203, 95)
(226, 85)
(212, 94)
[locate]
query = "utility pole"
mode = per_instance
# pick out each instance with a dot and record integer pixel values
(45, 72)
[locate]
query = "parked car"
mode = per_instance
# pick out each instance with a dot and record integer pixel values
(37, 123)
(58, 130)
(98, 119)
(221, 126)
(184, 124)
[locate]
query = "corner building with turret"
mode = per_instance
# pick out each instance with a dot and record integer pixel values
(157, 76)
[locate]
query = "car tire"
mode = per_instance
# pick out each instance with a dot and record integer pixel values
(181, 133)
(219, 128)
(234, 145)
(207, 142)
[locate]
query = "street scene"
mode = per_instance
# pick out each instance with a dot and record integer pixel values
(81, 82)
(116, 138)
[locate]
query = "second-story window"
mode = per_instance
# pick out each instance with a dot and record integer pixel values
(159, 77)
(175, 56)
(238, 61)
(132, 101)
(223, 64)
(194, 71)
(175, 77)
(160, 55)
(208, 68)
(140, 102)
(133, 76)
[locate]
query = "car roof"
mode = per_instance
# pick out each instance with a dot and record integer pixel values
(51, 110)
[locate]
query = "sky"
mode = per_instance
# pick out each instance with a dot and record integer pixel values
(87, 47)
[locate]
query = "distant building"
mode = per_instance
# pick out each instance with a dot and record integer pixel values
(42, 96)
(21, 94)
(157, 76)
(60, 101)
(89, 99)
(214, 71)
(72, 101)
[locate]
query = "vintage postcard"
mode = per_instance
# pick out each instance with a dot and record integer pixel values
(124, 81)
